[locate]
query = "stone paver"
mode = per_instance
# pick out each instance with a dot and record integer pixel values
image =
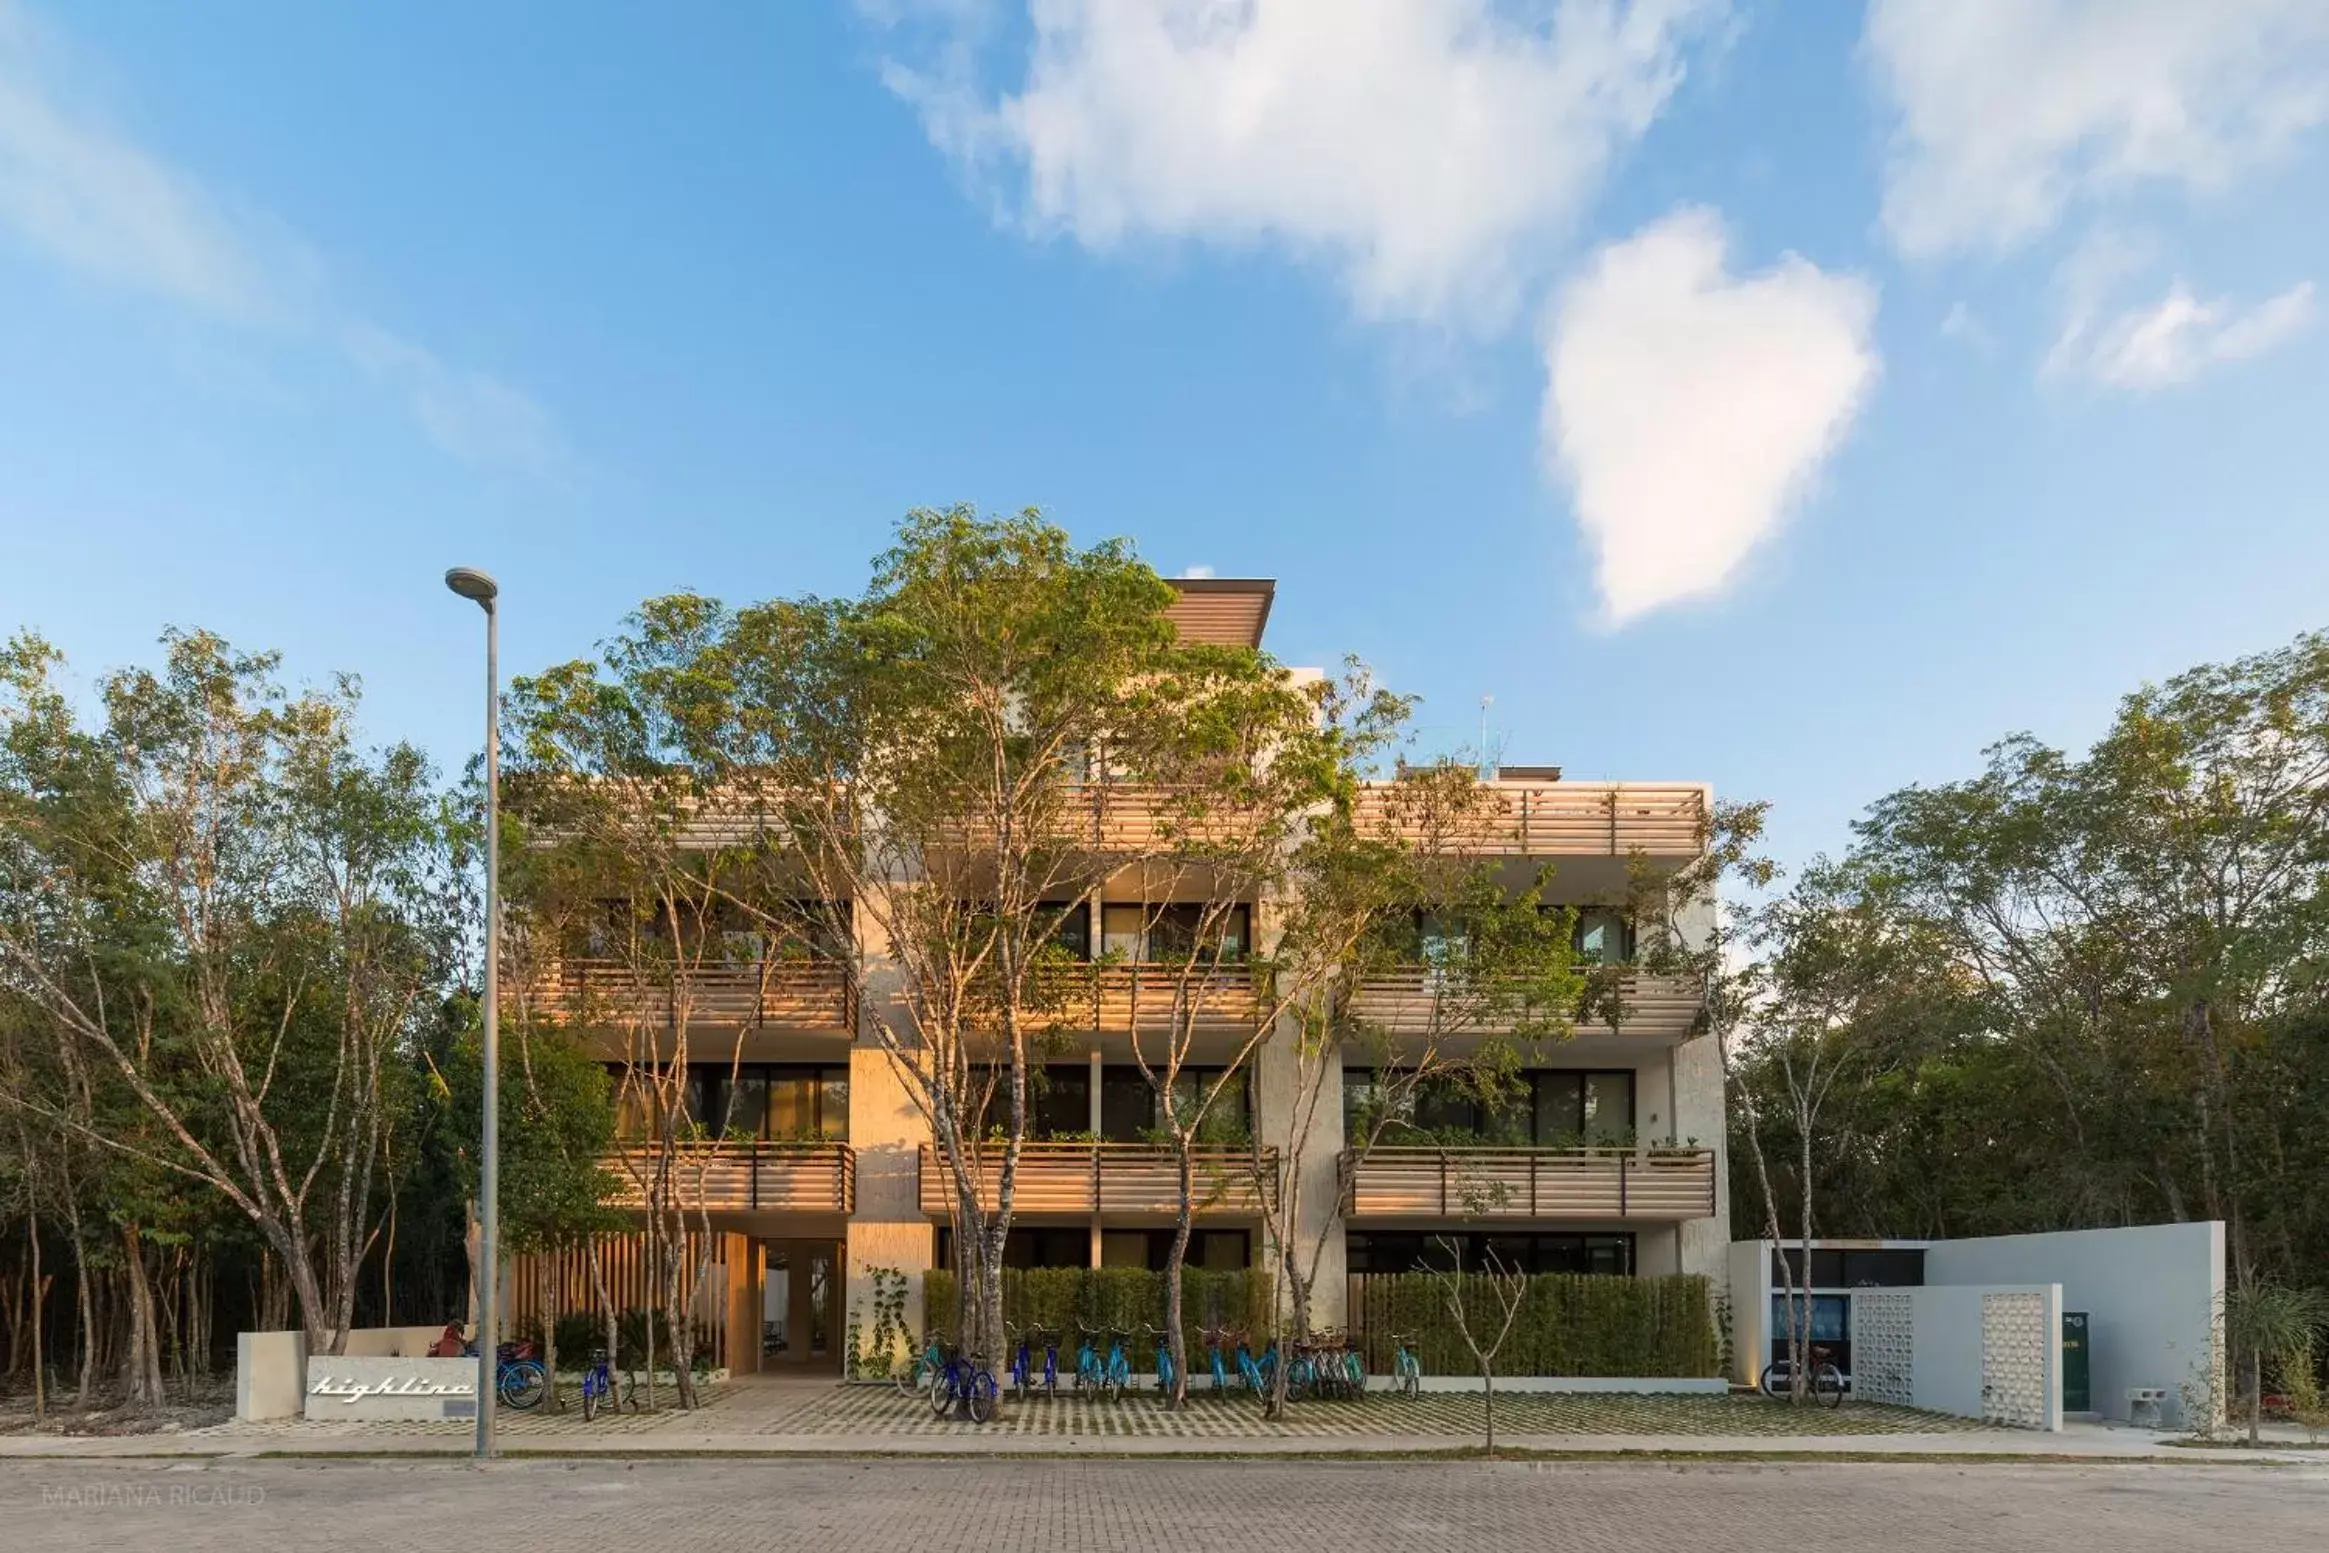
(879, 1414)
(1154, 1507)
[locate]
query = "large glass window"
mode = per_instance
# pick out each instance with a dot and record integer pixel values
(1166, 933)
(1546, 1107)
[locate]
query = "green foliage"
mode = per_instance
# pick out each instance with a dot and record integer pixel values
(1569, 1324)
(1070, 1300)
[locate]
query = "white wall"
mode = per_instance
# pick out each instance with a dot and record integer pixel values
(2152, 1294)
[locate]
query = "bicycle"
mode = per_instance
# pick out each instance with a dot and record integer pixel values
(600, 1392)
(1406, 1368)
(1165, 1372)
(1214, 1339)
(1023, 1378)
(965, 1380)
(1088, 1367)
(913, 1375)
(520, 1381)
(1259, 1372)
(1116, 1374)
(1827, 1382)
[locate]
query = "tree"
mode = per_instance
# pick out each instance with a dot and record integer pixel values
(2272, 1320)
(1483, 1307)
(226, 908)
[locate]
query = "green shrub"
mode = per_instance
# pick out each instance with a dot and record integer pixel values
(1569, 1324)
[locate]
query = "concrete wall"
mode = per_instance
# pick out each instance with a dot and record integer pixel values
(2152, 1294)
(270, 1374)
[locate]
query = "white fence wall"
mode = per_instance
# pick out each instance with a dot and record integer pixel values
(2152, 1294)
(1978, 1352)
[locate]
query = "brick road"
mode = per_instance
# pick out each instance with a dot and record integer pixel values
(699, 1506)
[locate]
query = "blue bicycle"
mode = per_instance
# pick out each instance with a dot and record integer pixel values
(1116, 1369)
(967, 1381)
(1023, 1375)
(1215, 1340)
(600, 1393)
(1089, 1372)
(1164, 1360)
(1258, 1372)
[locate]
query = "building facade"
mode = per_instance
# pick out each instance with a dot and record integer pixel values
(1607, 1161)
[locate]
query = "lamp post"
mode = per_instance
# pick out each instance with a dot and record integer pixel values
(476, 585)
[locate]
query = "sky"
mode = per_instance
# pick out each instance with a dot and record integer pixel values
(1788, 394)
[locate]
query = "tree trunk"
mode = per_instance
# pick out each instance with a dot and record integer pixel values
(141, 1370)
(1488, 1405)
(2255, 1393)
(85, 1298)
(548, 1274)
(1176, 1318)
(36, 1300)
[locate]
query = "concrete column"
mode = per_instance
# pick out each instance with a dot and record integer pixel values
(1099, 1071)
(885, 1132)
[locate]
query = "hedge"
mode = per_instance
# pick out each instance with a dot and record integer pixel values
(1569, 1324)
(1069, 1300)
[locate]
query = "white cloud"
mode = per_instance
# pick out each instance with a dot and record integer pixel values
(1690, 408)
(1196, 573)
(91, 199)
(2172, 340)
(1424, 149)
(2012, 111)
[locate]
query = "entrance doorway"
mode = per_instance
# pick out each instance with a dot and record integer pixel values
(800, 1305)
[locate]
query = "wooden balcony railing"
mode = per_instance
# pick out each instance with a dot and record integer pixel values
(1418, 1001)
(1549, 819)
(1657, 1185)
(785, 994)
(1159, 1000)
(1109, 1178)
(737, 1176)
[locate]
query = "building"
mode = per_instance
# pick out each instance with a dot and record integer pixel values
(1612, 1165)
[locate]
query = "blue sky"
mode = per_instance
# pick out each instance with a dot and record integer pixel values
(1792, 396)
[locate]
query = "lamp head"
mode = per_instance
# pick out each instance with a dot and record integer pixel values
(471, 583)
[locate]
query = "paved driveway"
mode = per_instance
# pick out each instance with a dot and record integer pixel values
(698, 1506)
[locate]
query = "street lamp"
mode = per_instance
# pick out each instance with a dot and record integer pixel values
(472, 584)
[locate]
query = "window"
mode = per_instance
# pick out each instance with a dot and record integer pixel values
(1037, 1245)
(1163, 933)
(1603, 936)
(1550, 1108)
(1070, 927)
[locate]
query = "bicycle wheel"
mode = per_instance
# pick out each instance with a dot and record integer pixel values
(523, 1384)
(1773, 1381)
(906, 1374)
(982, 1397)
(1828, 1386)
(589, 1398)
(942, 1393)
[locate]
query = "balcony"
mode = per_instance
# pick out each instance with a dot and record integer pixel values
(803, 995)
(741, 1176)
(1488, 1184)
(1117, 1179)
(1160, 1000)
(1550, 819)
(1652, 1008)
